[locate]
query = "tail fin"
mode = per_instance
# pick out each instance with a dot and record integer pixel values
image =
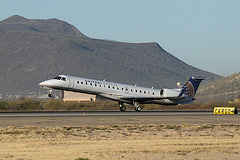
(191, 86)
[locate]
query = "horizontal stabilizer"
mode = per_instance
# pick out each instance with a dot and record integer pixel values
(201, 78)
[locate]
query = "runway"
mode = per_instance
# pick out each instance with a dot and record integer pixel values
(102, 113)
(102, 118)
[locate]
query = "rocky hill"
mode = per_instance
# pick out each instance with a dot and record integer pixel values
(35, 50)
(224, 87)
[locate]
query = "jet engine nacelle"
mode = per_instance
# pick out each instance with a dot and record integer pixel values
(169, 92)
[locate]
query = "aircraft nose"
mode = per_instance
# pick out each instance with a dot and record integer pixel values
(42, 83)
(46, 83)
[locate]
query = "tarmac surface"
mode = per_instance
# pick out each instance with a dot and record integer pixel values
(100, 118)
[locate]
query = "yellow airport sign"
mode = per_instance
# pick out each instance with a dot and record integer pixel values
(225, 110)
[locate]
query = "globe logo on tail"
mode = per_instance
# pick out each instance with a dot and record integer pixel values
(189, 89)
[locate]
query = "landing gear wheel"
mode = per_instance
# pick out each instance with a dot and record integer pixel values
(50, 95)
(138, 108)
(123, 108)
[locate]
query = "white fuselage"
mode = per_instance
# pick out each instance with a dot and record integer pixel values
(116, 91)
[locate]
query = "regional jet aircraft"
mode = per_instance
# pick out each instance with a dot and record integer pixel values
(126, 94)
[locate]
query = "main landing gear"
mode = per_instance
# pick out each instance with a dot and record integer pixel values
(122, 107)
(137, 106)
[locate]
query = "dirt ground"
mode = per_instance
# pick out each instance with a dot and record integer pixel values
(189, 137)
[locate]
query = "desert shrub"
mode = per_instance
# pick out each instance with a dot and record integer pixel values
(234, 105)
(3, 105)
(97, 105)
(192, 106)
(53, 104)
(25, 105)
(82, 159)
(58, 105)
(212, 104)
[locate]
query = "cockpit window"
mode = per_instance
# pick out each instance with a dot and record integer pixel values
(60, 78)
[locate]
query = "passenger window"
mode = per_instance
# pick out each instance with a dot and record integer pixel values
(78, 82)
(140, 91)
(144, 92)
(113, 87)
(136, 90)
(122, 88)
(81, 82)
(153, 93)
(95, 84)
(108, 86)
(64, 79)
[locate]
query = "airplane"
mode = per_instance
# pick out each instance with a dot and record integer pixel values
(126, 94)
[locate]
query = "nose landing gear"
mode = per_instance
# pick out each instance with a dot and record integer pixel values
(50, 95)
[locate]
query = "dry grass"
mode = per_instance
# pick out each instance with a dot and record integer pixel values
(58, 105)
(183, 141)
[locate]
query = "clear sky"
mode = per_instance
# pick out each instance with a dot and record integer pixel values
(202, 33)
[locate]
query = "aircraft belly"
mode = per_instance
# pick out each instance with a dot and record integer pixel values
(114, 98)
(172, 102)
(165, 102)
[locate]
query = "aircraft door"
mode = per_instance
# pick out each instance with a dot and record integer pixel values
(71, 82)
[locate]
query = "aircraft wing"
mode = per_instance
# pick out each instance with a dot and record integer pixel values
(149, 98)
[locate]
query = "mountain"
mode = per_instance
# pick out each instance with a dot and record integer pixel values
(35, 50)
(224, 87)
(50, 26)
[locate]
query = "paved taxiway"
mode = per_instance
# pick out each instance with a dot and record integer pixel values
(100, 118)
